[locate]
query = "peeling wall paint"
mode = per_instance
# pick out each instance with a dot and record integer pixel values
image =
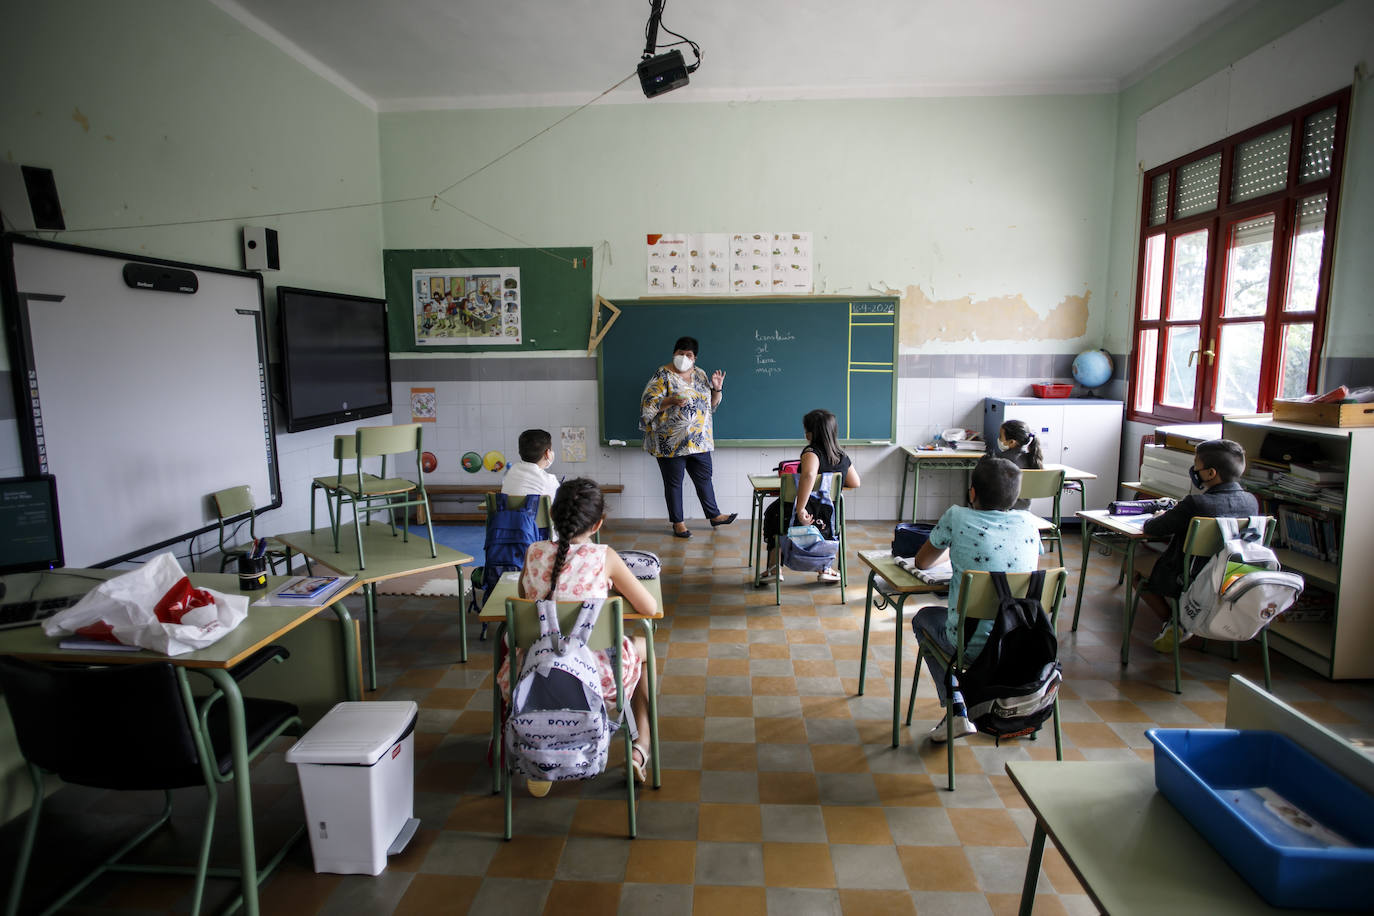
(996, 318)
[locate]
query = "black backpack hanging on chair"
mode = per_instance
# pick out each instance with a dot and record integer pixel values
(1010, 688)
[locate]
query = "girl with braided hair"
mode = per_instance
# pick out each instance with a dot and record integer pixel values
(575, 569)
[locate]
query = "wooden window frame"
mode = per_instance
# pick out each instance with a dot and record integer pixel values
(1285, 204)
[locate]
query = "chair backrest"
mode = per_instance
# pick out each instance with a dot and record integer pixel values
(231, 503)
(788, 488)
(1203, 538)
(345, 447)
(978, 597)
(541, 518)
(1041, 484)
(118, 727)
(373, 441)
(522, 622)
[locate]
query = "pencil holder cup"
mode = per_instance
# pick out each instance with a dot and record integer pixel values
(252, 573)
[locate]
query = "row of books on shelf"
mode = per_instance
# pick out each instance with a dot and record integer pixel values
(1267, 480)
(1312, 534)
(1314, 605)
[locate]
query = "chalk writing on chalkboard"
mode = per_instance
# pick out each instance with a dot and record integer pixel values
(872, 308)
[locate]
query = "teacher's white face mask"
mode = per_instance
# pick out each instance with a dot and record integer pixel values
(682, 362)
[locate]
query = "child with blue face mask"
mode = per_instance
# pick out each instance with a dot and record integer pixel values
(1217, 466)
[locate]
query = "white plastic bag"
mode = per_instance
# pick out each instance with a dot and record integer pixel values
(127, 604)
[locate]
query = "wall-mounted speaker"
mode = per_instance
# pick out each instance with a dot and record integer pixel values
(28, 198)
(260, 250)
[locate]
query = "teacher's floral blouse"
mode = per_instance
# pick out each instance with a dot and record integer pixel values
(684, 430)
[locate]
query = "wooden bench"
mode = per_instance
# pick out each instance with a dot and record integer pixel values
(476, 492)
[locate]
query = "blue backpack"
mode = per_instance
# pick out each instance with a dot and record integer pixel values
(511, 529)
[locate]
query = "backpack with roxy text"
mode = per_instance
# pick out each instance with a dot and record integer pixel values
(558, 727)
(1010, 688)
(1241, 589)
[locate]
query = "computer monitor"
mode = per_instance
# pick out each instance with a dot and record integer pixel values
(30, 533)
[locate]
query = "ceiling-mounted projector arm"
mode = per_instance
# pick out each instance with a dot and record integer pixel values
(651, 28)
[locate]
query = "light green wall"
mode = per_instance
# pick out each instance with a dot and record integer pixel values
(1351, 329)
(169, 110)
(980, 197)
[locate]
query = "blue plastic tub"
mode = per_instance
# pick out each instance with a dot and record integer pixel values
(1301, 834)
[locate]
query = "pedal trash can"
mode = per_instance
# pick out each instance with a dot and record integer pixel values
(357, 775)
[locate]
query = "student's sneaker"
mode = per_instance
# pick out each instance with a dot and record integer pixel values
(828, 575)
(1167, 638)
(770, 575)
(962, 728)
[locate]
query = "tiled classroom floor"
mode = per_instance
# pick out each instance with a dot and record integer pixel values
(780, 795)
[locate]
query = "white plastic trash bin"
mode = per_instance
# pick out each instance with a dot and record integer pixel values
(357, 773)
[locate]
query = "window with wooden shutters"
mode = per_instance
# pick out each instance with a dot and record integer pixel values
(1234, 265)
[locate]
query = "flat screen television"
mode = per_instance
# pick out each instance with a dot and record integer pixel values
(335, 361)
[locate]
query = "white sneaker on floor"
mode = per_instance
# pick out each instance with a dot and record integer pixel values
(769, 576)
(962, 728)
(828, 575)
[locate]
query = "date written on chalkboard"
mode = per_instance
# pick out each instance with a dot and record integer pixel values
(765, 362)
(872, 308)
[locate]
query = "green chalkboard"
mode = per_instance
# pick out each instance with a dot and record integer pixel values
(555, 298)
(782, 358)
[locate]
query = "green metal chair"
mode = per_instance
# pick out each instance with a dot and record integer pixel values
(522, 629)
(787, 493)
(1038, 484)
(978, 601)
(389, 494)
(232, 505)
(345, 449)
(1203, 539)
(135, 727)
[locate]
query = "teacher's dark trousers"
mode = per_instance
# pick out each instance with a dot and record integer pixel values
(698, 467)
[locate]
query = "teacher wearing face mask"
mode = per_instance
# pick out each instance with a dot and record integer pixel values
(675, 415)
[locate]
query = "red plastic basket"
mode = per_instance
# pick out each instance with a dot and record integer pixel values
(1052, 391)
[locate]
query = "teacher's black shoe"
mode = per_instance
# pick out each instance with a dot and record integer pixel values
(684, 533)
(716, 523)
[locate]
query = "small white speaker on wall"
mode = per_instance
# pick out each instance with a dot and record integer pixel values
(260, 251)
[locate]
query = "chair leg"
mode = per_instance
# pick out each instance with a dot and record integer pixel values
(429, 527)
(21, 865)
(1058, 734)
(949, 739)
(207, 834)
(1264, 656)
(509, 777)
(915, 679)
(1178, 638)
(358, 532)
(868, 619)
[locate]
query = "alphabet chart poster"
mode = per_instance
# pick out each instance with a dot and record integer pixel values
(720, 264)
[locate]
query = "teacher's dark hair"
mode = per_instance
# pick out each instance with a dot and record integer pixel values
(687, 343)
(821, 427)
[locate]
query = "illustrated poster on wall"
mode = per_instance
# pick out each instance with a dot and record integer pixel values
(424, 405)
(454, 306)
(719, 264)
(574, 443)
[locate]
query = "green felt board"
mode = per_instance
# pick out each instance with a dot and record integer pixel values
(782, 358)
(556, 302)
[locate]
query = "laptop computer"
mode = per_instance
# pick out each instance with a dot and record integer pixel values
(30, 545)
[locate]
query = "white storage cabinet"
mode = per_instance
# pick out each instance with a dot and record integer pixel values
(1083, 433)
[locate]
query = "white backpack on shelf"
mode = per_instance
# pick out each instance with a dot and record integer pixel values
(558, 726)
(1241, 589)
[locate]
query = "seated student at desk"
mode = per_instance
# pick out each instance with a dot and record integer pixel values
(1016, 443)
(530, 474)
(576, 569)
(1217, 465)
(821, 455)
(987, 535)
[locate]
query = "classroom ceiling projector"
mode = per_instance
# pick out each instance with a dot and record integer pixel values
(660, 73)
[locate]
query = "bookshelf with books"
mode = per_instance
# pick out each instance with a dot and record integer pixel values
(1310, 479)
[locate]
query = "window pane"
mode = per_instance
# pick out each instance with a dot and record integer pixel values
(1247, 267)
(1305, 260)
(1180, 379)
(1318, 142)
(1154, 277)
(1197, 186)
(1238, 367)
(1146, 361)
(1294, 359)
(1189, 276)
(1159, 199)
(1260, 165)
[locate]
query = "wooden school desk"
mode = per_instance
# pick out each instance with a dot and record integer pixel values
(494, 611)
(895, 587)
(262, 627)
(1128, 527)
(763, 486)
(388, 557)
(951, 459)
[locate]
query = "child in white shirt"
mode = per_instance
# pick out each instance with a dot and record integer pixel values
(529, 475)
